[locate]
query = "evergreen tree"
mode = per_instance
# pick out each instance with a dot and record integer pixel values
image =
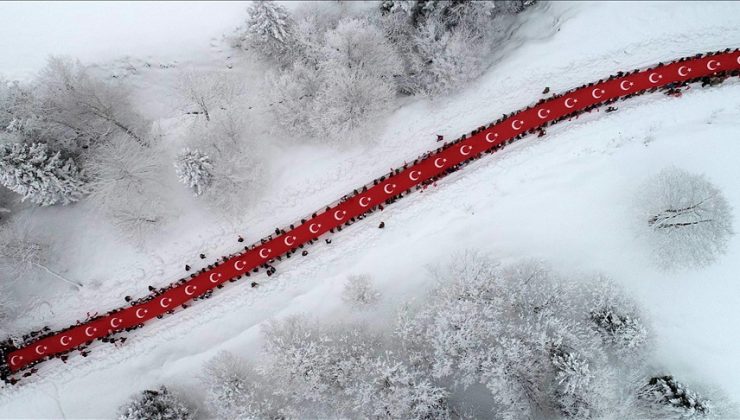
(40, 176)
(624, 331)
(670, 398)
(155, 405)
(271, 30)
(573, 384)
(194, 169)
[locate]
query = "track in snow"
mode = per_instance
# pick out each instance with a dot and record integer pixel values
(382, 191)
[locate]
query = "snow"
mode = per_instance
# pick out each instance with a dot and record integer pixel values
(565, 198)
(107, 30)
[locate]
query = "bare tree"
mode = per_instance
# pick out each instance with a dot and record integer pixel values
(359, 292)
(349, 81)
(689, 219)
(207, 91)
(292, 92)
(22, 256)
(127, 188)
(76, 107)
(235, 161)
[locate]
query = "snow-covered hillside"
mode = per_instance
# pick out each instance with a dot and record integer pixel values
(566, 198)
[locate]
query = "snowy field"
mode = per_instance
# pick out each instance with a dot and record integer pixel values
(566, 198)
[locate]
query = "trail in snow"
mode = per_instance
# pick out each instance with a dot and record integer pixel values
(383, 191)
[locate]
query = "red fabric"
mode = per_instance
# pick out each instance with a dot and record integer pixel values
(429, 167)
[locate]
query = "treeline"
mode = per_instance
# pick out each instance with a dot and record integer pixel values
(496, 341)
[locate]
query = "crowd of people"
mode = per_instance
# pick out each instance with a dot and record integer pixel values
(674, 89)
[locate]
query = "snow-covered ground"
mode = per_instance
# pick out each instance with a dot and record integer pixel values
(565, 198)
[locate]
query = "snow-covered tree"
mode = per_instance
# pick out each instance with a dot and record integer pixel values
(14, 102)
(236, 164)
(127, 188)
(617, 319)
(359, 292)
(315, 368)
(623, 331)
(390, 389)
(451, 12)
(294, 91)
(358, 44)
(39, 175)
(573, 388)
(155, 405)
(513, 6)
(339, 371)
(194, 169)
(271, 30)
(358, 73)
(207, 91)
(235, 390)
(445, 59)
(6, 310)
(346, 80)
(349, 100)
(689, 219)
(75, 109)
(498, 326)
(445, 44)
(666, 397)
